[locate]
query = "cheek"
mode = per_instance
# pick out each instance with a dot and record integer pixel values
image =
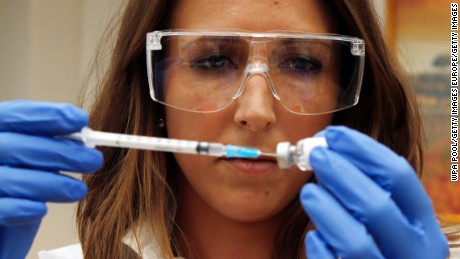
(184, 125)
(195, 174)
(287, 188)
(196, 126)
(297, 127)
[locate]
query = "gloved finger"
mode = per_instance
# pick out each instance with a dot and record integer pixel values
(367, 202)
(347, 237)
(39, 185)
(48, 154)
(41, 118)
(15, 211)
(15, 241)
(390, 171)
(316, 247)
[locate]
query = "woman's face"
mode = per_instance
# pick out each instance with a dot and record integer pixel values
(244, 190)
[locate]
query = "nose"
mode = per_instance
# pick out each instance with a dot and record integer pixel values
(255, 105)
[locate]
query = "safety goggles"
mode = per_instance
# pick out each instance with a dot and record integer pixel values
(204, 71)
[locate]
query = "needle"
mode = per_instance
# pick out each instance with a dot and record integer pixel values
(267, 154)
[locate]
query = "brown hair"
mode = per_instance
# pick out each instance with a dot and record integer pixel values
(137, 187)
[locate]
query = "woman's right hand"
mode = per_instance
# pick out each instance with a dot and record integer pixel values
(30, 161)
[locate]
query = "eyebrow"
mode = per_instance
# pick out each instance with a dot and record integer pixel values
(322, 42)
(211, 39)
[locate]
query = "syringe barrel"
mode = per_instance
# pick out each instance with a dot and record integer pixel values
(97, 138)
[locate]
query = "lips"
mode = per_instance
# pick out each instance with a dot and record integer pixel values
(252, 166)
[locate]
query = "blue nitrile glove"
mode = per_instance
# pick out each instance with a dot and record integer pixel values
(369, 203)
(30, 161)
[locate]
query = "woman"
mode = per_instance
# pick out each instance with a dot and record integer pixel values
(366, 201)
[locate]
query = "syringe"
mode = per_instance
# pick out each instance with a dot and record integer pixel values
(93, 138)
(286, 154)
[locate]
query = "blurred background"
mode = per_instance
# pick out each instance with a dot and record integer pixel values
(47, 46)
(419, 32)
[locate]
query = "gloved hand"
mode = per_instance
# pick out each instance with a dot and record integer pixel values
(30, 161)
(369, 203)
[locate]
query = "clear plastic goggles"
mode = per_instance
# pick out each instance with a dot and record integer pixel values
(204, 71)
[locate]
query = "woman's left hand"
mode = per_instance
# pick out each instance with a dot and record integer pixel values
(369, 203)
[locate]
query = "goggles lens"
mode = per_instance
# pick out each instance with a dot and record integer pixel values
(204, 72)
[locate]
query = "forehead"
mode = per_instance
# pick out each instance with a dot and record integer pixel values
(252, 15)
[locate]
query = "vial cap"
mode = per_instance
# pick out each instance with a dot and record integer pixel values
(283, 155)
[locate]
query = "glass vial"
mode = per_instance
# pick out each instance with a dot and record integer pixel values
(299, 154)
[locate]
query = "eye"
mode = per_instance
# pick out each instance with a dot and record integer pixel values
(301, 64)
(213, 62)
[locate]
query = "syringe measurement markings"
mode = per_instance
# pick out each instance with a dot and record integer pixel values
(156, 143)
(161, 144)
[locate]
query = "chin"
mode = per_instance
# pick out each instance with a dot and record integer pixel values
(248, 211)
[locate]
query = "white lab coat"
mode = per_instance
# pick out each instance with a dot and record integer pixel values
(149, 248)
(454, 253)
(74, 252)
